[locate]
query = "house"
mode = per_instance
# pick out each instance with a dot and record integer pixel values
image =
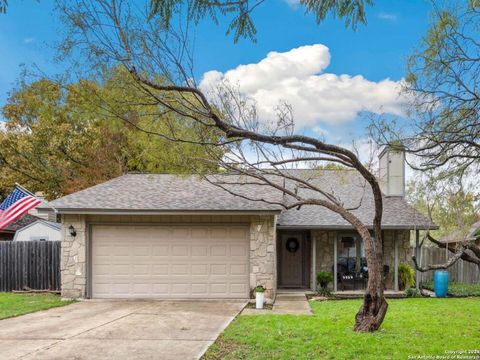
(8, 232)
(165, 236)
(40, 230)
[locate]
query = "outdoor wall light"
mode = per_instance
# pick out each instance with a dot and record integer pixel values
(72, 231)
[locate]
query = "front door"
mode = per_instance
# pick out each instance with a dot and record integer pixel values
(294, 260)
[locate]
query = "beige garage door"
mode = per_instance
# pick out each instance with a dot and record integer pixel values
(170, 261)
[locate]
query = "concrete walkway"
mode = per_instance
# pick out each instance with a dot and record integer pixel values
(292, 303)
(118, 330)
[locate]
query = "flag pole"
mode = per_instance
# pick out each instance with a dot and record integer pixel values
(28, 192)
(31, 194)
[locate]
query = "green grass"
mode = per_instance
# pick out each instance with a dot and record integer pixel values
(12, 304)
(412, 327)
(457, 289)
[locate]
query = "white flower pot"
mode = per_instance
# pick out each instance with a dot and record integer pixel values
(259, 297)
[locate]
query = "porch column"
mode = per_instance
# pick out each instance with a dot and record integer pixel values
(417, 256)
(395, 261)
(335, 263)
(314, 262)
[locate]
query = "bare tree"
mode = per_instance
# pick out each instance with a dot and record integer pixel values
(464, 247)
(258, 153)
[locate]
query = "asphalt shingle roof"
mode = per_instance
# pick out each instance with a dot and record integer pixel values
(161, 192)
(25, 220)
(171, 193)
(351, 189)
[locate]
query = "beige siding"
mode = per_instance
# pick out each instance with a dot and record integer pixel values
(38, 230)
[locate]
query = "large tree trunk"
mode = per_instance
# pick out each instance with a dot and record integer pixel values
(374, 307)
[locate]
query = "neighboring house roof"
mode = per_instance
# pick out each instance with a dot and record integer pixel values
(472, 234)
(51, 224)
(25, 220)
(139, 193)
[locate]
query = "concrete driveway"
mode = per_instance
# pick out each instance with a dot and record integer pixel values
(118, 330)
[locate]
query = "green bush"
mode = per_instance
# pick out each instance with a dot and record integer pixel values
(457, 289)
(413, 293)
(406, 276)
(324, 278)
(260, 289)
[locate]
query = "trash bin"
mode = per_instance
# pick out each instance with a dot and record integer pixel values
(440, 283)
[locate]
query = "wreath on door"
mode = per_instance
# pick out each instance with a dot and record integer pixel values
(292, 245)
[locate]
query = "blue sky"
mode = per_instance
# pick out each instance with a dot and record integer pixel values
(376, 52)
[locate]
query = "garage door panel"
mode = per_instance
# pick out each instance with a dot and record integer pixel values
(170, 261)
(160, 250)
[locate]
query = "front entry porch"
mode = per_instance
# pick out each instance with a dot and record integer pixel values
(294, 260)
(301, 254)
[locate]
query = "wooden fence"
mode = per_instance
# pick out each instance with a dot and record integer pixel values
(30, 265)
(461, 271)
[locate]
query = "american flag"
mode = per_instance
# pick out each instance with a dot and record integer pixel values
(15, 205)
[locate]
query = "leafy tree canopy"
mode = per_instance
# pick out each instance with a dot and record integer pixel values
(451, 205)
(60, 139)
(242, 24)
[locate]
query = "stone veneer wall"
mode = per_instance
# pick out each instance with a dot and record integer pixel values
(325, 250)
(263, 255)
(73, 265)
(263, 269)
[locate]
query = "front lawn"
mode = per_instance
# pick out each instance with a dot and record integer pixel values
(413, 327)
(12, 304)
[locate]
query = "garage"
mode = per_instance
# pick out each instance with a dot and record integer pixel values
(177, 261)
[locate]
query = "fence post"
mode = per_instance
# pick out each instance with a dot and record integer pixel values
(417, 243)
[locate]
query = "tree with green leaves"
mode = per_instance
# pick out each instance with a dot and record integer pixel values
(442, 134)
(242, 25)
(455, 208)
(60, 139)
(443, 73)
(3, 6)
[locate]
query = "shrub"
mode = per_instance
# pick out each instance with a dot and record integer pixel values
(406, 276)
(324, 278)
(260, 289)
(413, 293)
(457, 289)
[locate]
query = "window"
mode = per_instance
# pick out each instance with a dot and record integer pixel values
(351, 254)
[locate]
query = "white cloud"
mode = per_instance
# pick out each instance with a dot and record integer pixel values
(293, 3)
(297, 78)
(28, 40)
(320, 131)
(387, 16)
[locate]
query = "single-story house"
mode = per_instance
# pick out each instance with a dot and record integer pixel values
(39, 230)
(167, 236)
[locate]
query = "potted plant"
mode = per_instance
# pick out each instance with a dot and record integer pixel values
(323, 279)
(259, 296)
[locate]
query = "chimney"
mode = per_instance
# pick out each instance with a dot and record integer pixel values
(45, 214)
(392, 171)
